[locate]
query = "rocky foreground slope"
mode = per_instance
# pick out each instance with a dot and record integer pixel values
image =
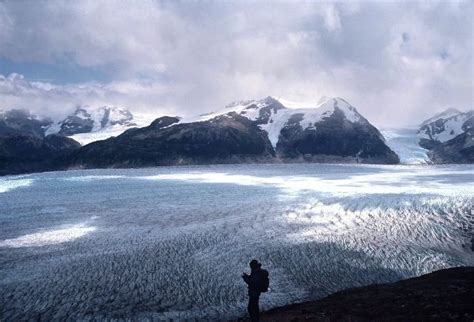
(445, 295)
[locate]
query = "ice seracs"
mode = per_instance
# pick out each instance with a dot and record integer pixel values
(154, 255)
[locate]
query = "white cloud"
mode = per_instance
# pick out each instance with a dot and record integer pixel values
(47, 99)
(332, 21)
(396, 62)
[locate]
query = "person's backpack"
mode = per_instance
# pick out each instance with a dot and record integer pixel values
(265, 281)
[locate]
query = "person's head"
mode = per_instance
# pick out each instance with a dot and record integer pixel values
(255, 265)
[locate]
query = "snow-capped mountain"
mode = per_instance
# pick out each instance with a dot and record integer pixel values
(87, 124)
(446, 114)
(246, 132)
(445, 126)
(272, 116)
(84, 120)
(449, 136)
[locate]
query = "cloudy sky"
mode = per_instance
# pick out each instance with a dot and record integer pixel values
(397, 62)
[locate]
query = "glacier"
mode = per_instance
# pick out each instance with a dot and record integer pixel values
(404, 142)
(171, 242)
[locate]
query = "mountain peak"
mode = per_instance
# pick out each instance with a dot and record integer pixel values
(447, 113)
(333, 100)
(269, 100)
(327, 105)
(444, 126)
(451, 110)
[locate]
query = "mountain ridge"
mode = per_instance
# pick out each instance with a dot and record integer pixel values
(256, 131)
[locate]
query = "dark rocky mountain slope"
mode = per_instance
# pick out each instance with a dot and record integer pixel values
(457, 150)
(334, 139)
(224, 139)
(28, 153)
(17, 121)
(24, 148)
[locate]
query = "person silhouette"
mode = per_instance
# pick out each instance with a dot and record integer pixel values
(257, 283)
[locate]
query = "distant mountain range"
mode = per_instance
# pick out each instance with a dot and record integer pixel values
(245, 131)
(251, 131)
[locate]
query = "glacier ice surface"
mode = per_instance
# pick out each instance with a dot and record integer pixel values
(172, 242)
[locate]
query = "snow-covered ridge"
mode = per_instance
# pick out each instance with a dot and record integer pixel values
(98, 118)
(445, 126)
(111, 130)
(449, 112)
(277, 116)
(251, 109)
(87, 124)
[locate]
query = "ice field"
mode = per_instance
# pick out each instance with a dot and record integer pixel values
(171, 243)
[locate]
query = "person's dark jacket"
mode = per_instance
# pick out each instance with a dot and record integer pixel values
(254, 282)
